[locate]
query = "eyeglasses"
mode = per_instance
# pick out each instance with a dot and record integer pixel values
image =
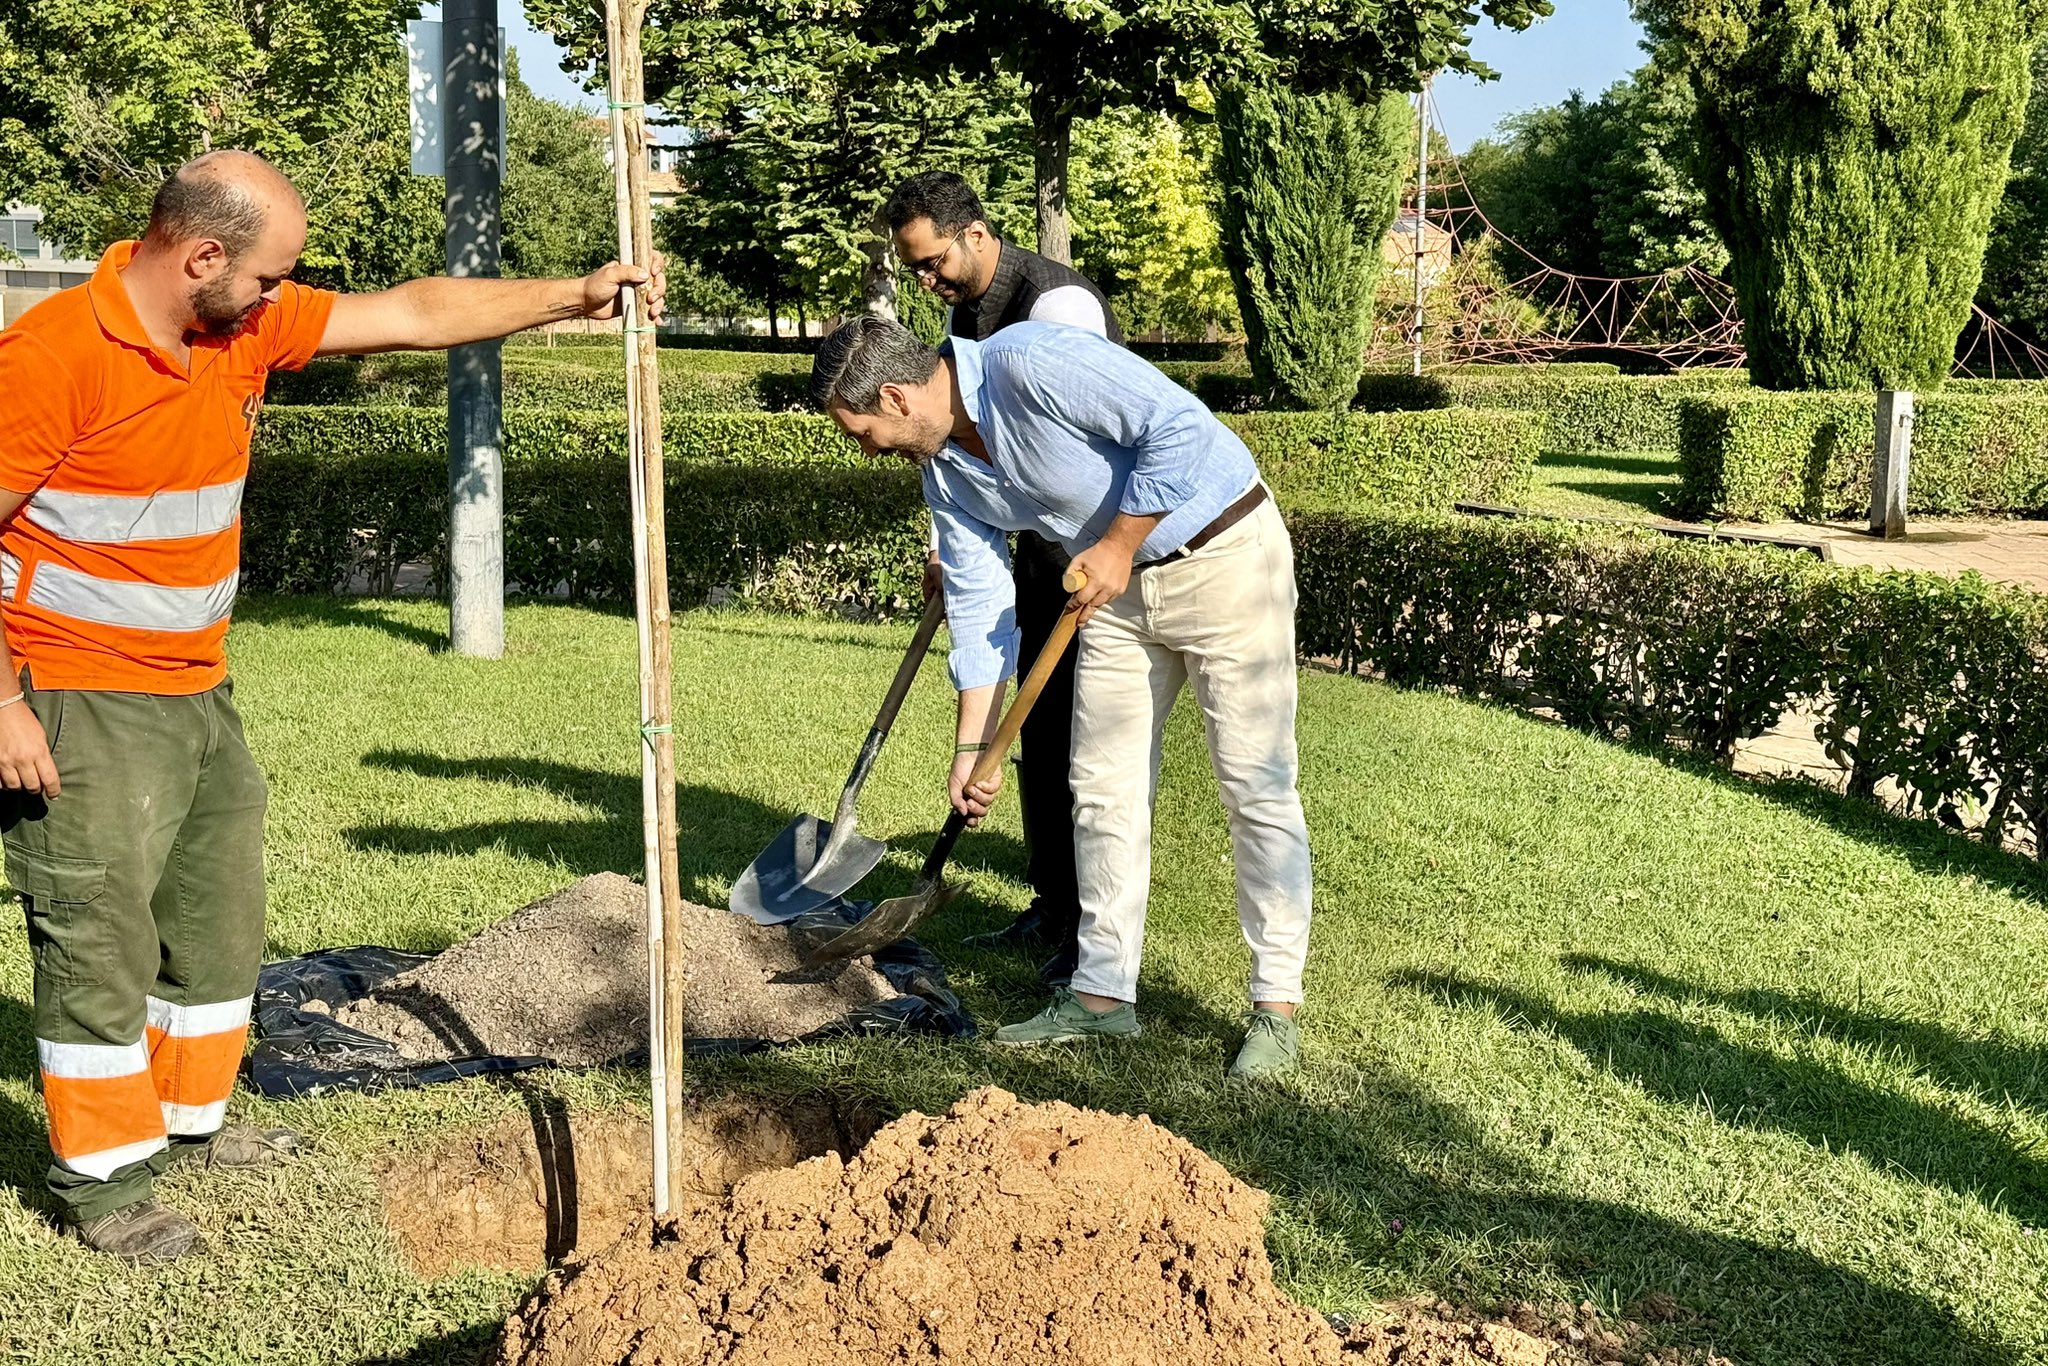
(929, 267)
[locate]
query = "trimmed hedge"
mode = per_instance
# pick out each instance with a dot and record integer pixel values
(576, 377)
(1937, 685)
(1414, 459)
(1590, 407)
(1421, 460)
(1762, 456)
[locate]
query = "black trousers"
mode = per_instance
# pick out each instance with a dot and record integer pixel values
(1045, 793)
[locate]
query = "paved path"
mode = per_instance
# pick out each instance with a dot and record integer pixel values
(2009, 551)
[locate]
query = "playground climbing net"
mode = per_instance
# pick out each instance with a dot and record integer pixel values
(1464, 292)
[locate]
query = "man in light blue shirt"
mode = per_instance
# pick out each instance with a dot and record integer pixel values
(1190, 578)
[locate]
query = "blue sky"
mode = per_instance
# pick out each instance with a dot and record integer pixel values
(1587, 45)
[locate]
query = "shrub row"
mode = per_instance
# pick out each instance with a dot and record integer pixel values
(1589, 408)
(573, 377)
(1978, 449)
(1414, 459)
(1938, 685)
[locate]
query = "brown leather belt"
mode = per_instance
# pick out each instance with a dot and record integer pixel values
(1225, 520)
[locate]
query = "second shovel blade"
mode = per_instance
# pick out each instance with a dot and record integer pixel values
(789, 879)
(885, 924)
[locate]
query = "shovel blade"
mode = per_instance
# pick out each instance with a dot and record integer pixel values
(884, 925)
(790, 878)
(843, 860)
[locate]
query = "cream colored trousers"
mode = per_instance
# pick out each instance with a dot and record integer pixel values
(1223, 620)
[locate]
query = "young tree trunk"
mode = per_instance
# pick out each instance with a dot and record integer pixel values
(1052, 142)
(878, 281)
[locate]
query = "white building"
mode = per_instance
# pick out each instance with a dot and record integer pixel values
(32, 268)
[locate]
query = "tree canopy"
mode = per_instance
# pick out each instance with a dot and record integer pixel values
(1601, 186)
(1852, 153)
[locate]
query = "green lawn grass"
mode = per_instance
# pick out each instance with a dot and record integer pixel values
(1584, 1023)
(1628, 484)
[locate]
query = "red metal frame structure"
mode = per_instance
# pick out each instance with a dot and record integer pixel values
(1499, 303)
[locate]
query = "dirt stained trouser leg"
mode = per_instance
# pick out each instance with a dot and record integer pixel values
(143, 886)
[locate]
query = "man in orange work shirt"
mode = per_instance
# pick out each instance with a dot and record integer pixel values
(131, 809)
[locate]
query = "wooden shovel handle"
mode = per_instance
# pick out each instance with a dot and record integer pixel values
(1033, 684)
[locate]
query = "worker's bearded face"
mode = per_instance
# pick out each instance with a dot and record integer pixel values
(222, 307)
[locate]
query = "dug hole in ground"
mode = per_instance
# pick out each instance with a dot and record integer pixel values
(1000, 1232)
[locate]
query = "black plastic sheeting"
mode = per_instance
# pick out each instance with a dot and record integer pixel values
(301, 1052)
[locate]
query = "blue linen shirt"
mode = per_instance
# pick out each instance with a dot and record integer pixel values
(1078, 430)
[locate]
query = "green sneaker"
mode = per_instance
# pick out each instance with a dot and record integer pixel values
(1272, 1046)
(1066, 1019)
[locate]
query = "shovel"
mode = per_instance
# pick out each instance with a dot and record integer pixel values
(813, 861)
(896, 917)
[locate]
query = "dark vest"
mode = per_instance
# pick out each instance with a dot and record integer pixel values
(1021, 277)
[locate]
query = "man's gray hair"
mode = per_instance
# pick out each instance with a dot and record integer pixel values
(863, 355)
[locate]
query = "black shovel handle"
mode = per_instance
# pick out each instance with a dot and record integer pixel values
(906, 674)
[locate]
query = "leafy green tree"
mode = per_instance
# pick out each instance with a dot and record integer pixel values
(786, 190)
(1073, 61)
(2015, 287)
(1146, 197)
(99, 100)
(1601, 187)
(560, 208)
(1852, 154)
(1310, 188)
(1079, 60)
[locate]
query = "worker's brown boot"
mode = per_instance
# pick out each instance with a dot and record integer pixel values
(241, 1147)
(144, 1233)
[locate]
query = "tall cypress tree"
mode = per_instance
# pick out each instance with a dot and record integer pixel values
(1310, 185)
(1852, 153)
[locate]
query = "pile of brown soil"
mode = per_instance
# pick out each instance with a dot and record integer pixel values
(566, 978)
(1002, 1232)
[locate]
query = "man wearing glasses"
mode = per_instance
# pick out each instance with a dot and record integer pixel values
(944, 240)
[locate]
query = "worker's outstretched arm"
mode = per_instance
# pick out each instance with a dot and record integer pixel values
(439, 312)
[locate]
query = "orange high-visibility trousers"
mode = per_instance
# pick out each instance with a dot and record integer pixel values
(143, 884)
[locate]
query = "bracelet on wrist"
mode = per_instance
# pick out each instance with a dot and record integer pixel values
(10, 701)
(957, 749)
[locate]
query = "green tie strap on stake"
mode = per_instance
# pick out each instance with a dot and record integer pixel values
(650, 731)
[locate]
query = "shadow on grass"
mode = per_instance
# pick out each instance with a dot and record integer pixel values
(462, 1347)
(1928, 845)
(1753, 1088)
(1995, 1071)
(722, 832)
(24, 1141)
(270, 610)
(1636, 481)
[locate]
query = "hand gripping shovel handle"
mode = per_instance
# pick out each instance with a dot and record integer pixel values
(1013, 722)
(906, 674)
